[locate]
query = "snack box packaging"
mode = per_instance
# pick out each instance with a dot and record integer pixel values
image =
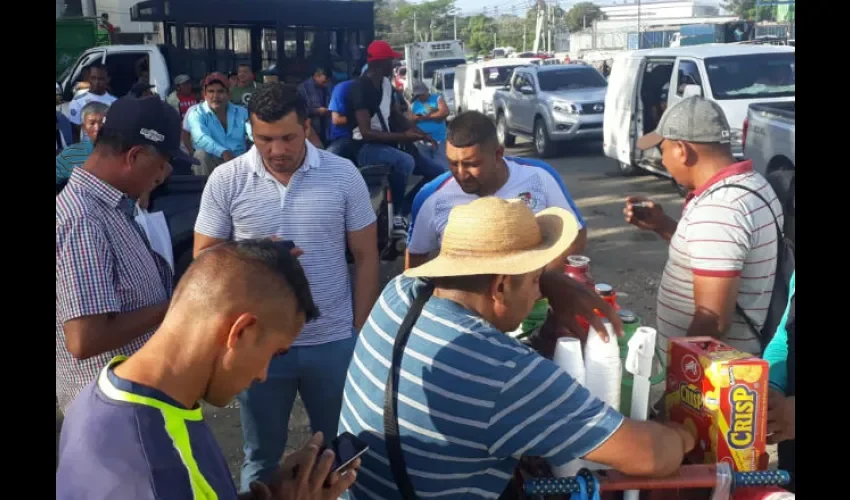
(721, 395)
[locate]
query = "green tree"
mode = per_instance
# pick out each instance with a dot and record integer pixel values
(746, 9)
(582, 14)
(479, 34)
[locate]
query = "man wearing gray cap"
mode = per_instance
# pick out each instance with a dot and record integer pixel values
(429, 112)
(723, 250)
(182, 98)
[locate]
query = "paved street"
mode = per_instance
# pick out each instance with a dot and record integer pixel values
(621, 255)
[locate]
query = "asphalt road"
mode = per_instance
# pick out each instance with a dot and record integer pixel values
(621, 255)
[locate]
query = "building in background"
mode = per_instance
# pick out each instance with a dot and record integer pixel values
(659, 10)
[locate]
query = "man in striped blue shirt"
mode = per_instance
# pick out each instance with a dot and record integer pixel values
(286, 188)
(471, 400)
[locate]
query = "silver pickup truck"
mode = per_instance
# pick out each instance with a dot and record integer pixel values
(551, 104)
(769, 136)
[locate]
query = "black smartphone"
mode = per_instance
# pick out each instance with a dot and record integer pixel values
(346, 447)
(287, 244)
(641, 210)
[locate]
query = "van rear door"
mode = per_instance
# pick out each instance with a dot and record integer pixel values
(621, 99)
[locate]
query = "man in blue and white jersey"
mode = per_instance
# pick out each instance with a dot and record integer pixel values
(479, 168)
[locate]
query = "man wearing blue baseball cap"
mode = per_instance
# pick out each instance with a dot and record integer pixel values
(112, 290)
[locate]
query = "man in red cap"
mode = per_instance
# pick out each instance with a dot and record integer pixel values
(217, 126)
(378, 125)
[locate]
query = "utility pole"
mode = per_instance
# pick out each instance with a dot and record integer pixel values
(523, 36)
(455, 27)
(415, 30)
(638, 26)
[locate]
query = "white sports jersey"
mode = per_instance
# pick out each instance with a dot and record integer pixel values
(532, 181)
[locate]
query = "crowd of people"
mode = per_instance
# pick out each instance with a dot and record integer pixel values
(423, 371)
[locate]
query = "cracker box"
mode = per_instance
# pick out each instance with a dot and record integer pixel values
(721, 395)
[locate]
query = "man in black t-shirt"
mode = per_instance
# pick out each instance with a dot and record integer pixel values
(370, 112)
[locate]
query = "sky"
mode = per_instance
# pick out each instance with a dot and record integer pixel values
(519, 6)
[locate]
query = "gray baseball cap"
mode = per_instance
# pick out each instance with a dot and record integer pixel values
(694, 119)
(419, 89)
(181, 79)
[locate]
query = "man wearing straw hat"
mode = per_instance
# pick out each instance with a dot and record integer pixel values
(448, 403)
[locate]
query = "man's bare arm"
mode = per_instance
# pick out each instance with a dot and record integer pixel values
(90, 336)
(202, 242)
(644, 448)
(715, 299)
(364, 247)
(338, 119)
(364, 123)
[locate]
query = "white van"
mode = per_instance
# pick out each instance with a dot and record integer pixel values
(479, 81)
(643, 83)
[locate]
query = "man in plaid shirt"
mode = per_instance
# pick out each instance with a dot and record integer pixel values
(112, 290)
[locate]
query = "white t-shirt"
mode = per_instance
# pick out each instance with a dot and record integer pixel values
(531, 181)
(386, 100)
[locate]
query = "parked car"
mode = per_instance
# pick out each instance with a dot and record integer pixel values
(551, 104)
(443, 84)
(769, 137)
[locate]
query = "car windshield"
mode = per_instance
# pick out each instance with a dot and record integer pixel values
(752, 76)
(498, 76)
(569, 79)
(430, 67)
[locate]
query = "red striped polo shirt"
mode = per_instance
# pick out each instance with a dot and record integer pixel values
(725, 233)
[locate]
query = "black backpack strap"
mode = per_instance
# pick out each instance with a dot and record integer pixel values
(391, 435)
(779, 235)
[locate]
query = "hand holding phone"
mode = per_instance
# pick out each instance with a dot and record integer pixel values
(310, 474)
(643, 213)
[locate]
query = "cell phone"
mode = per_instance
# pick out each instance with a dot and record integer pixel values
(287, 244)
(641, 210)
(346, 447)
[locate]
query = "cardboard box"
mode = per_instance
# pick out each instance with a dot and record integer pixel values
(721, 394)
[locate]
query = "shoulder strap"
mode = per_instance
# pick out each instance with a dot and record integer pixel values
(779, 236)
(391, 435)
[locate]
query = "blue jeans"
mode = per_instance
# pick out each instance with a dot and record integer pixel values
(402, 165)
(317, 373)
(345, 147)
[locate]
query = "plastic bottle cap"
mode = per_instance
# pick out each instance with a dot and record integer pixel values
(578, 260)
(604, 289)
(627, 316)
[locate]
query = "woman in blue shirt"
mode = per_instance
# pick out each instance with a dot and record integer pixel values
(781, 357)
(429, 112)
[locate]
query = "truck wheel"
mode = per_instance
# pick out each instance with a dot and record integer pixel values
(628, 169)
(542, 144)
(502, 131)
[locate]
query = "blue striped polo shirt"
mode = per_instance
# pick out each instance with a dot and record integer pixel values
(70, 158)
(325, 199)
(471, 401)
(121, 439)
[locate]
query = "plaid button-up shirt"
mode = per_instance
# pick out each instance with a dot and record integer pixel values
(103, 265)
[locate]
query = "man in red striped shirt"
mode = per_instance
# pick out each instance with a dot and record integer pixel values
(723, 249)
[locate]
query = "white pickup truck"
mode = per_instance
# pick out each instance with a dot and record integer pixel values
(551, 104)
(769, 136)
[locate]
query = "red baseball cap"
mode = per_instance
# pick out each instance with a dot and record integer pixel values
(217, 77)
(380, 50)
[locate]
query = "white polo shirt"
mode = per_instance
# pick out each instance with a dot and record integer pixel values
(725, 233)
(325, 199)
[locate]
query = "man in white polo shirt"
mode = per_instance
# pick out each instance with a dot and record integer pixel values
(723, 249)
(285, 188)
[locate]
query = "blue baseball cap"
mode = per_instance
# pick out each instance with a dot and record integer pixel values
(147, 121)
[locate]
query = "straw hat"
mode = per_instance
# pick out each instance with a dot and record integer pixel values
(496, 236)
